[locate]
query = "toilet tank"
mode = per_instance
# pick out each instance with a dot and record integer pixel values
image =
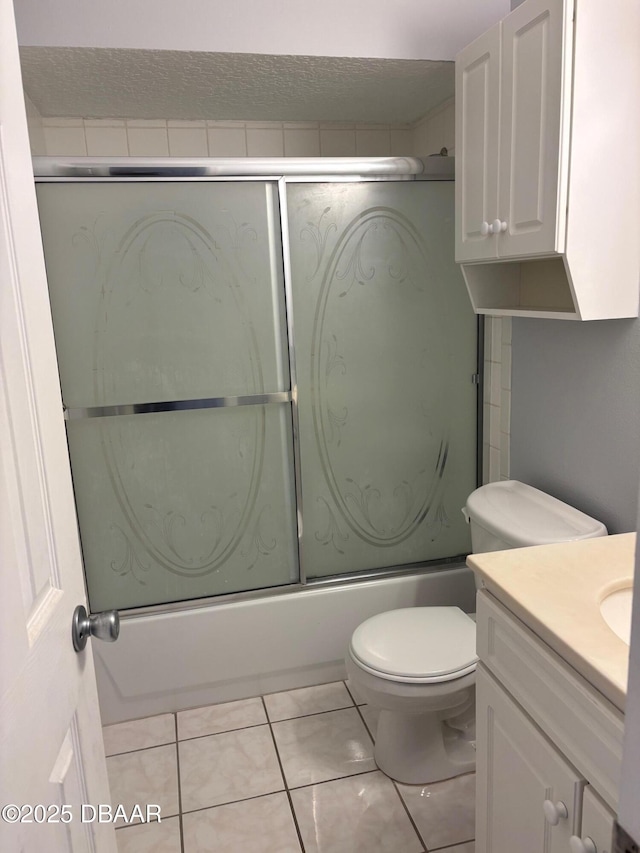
(510, 514)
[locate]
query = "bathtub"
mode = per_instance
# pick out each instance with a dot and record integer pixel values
(218, 653)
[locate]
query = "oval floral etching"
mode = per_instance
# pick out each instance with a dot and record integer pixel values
(379, 304)
(187, 508)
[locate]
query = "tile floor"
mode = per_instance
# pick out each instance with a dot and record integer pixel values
(288, 772)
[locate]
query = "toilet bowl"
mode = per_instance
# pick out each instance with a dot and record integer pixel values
(416, 665)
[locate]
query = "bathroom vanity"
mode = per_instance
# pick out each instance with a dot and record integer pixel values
(551, 687)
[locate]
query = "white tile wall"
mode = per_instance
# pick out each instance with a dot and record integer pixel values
(497, 399)
(337, 141)
(436, 131)
(106, 137)
(265, 140)
(188, 139)
(34, 124)
(64, 136)
(160, 137)
(226, 140)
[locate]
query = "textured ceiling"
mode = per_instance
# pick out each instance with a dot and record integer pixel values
(104, 82)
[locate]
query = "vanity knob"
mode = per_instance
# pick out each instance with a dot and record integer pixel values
(582, 845)
(485, 229)
(554, 812)
(497, 226)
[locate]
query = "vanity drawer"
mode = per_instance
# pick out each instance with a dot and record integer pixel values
(582, 723)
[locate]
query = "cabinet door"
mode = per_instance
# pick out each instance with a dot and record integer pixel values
(517, 770)
(477, 123)
(597, 822)
(534, 101)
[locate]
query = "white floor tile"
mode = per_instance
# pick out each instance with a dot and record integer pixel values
(262, 825)
(323, 746)
(307, 700)
(139, 734)
(444, 812)
(148, 777)
(227, 767)
(163, 837)
(221, 718)
(362, 814)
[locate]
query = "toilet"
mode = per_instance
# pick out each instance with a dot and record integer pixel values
(416, 665)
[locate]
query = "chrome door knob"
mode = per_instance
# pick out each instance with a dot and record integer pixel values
(104, 626)
(554, 812)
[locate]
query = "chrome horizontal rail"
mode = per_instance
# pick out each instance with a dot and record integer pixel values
(73, 414)
(427, 168)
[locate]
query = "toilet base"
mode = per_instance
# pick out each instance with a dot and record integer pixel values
(418, 749)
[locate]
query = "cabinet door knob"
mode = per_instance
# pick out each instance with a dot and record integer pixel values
(497, 226)
(485, 229)
(554, 812)
(582, 845)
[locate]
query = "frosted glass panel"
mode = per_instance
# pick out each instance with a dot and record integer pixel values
(181, 505)
(164, 291)
(385, 352)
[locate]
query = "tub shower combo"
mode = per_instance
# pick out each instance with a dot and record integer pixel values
(269, 372)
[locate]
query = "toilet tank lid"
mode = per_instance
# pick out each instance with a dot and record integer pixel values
(521, 515)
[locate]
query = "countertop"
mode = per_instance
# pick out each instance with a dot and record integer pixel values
(556, 591)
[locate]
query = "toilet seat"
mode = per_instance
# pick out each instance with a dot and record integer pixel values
(419, 645)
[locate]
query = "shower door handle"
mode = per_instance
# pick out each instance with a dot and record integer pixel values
(104, 626)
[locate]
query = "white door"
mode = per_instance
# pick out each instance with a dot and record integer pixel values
(517, 770)
(477, 134)
(50, 737)
(535, 95)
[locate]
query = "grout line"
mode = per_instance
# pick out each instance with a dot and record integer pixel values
(175, 723)
(140, 749)
(235, 802)
(223, 732)
(284, 779)
(337, 779)
(369, 732)
(353, 698)
(311, 714)
(409, 815)
(452, 846)
(284, 790)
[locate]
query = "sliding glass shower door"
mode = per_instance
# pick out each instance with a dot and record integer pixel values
(168, 309)
(241, 417)
(385, 342)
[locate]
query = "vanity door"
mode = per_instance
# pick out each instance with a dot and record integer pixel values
(526, 790)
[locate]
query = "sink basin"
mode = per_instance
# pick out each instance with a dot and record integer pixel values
(616, 612)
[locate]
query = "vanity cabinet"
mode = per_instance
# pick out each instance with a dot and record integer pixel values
(597, 826)
(519, 773)
(549, 747)
(543, 225)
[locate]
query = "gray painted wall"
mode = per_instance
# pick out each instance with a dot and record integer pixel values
(575, 414)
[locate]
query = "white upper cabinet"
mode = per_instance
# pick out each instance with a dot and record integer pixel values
(536, 41)
(477, 117)
(547, 195)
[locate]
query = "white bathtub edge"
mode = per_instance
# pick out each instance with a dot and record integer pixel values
(171, 661)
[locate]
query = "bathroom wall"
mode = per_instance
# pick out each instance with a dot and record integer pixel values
(406, 29)
(575, 414)
(117, 137)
